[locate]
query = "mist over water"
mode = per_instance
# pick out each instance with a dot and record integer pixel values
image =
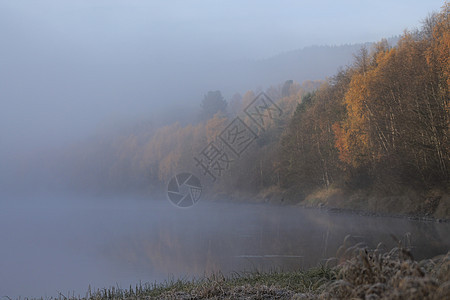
(64, 244)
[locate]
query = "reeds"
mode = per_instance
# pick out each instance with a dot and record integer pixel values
(394, 274)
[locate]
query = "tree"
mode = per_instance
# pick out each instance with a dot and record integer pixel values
(212, 103)
(285, 91)
(397, 120)
(235, 106)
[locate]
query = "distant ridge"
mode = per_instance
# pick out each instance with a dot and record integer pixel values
(308, 63)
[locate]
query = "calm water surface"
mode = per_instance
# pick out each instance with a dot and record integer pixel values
(61, 244)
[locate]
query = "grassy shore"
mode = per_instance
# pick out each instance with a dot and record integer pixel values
(269, 285)
(433, 204)
(356, 273)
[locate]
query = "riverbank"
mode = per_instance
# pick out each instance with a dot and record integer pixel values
(273, 285)
(432, 205)
(358, 274)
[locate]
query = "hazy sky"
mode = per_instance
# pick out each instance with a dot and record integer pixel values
(228, 28)
(67, 65)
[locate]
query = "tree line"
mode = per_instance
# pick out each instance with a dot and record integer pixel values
(381, 122)
(384, 121)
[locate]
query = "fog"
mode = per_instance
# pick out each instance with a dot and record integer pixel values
(66, 67)
(77, 74)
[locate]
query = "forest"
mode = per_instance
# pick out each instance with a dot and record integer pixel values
(378, 127)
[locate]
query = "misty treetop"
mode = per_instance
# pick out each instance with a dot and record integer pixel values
(212, 103)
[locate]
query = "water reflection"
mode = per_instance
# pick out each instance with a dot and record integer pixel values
(66, 244)
(228, 238)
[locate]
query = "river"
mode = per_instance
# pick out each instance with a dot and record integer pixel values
(52, 245)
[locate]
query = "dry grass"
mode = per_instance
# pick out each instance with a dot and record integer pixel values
(375, 274)
(324, 196)
(256, 285)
